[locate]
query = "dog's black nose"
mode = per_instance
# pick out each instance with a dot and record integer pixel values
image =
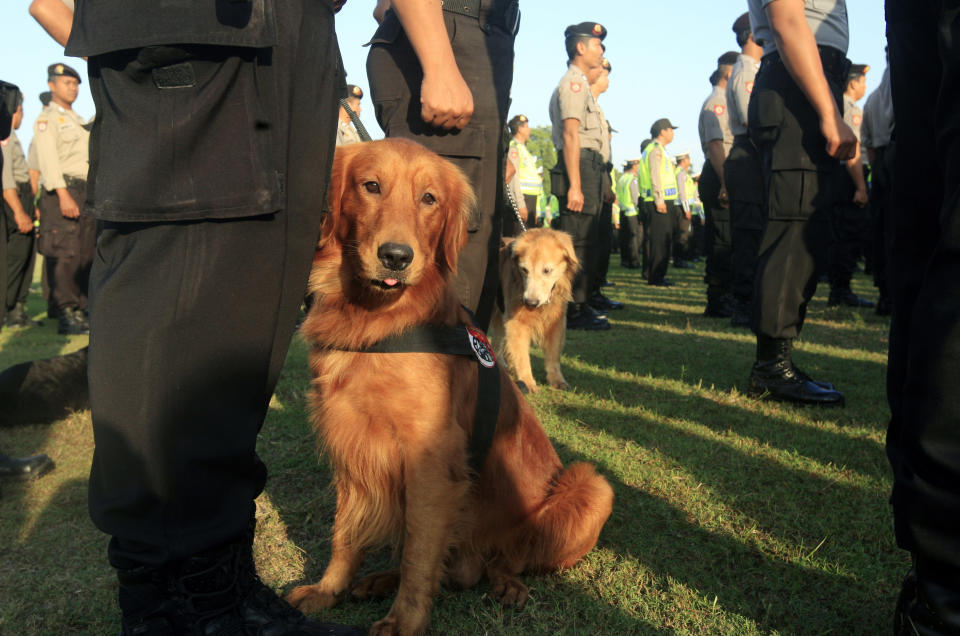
(395, 256)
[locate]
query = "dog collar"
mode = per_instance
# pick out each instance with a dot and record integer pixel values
(461, 340)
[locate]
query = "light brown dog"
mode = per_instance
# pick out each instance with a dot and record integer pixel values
(396, 426)
(536, 277)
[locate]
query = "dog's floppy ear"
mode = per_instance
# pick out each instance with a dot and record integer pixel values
(458, 204)
(339, 182)
(569, 253)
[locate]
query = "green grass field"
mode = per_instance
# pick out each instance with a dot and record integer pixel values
(731, 516)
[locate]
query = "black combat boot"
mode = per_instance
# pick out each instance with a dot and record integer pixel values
(927, 607)
(70, 322)
(580, 316)
(845, 296)
(775, 377)
(24, 468)
(719, 304)
(216, 593)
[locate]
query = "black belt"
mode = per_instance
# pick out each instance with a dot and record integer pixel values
(835, 63)
(505, 15)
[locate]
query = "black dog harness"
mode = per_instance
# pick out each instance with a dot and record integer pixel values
(458, 341)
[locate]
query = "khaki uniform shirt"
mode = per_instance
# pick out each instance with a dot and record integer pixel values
(714, 122)
(14, 163)
(63, 146)
(605, 139)
(347, 133)
(852, 115)
(739, 89)
(572, 99)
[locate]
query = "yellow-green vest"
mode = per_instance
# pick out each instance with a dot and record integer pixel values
(646, 184)
(668, 180)
(689, 187)
(627, 208)
(530, 182)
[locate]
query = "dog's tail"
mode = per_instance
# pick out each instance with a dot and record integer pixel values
(566, 526)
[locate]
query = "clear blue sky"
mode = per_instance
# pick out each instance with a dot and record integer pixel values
(662, 55)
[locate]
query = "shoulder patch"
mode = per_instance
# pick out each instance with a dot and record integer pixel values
(575, 87)
(513, 153)
(857, 119)
(749, 86)
(42, 125)
(719, 109)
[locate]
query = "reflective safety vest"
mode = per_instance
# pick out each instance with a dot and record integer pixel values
(530, 182)
(668, 180)
(627, 208)
(689, 187)
(646, 185)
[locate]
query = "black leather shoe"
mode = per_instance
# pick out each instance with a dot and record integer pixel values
(774, 377)
(926, 608)
(68, 324)
(217, 593)
(682, 264)
(601, 303)
(847, 298)
(718, 307)
(25, 468)
(18, 317)
(665, 282)
(583, 318)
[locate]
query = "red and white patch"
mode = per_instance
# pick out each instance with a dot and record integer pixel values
(749, 87)
(41, 126)
(514, 154)
(719, 109)
(4, 142)
(857, 119)
(575, 87)
(481, 347)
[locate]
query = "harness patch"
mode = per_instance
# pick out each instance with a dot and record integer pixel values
(481, 347)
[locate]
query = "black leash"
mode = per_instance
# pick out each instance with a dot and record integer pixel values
(364, 135)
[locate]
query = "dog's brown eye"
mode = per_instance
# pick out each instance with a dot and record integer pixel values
(524, 271)
(428, 198)
(372, 187)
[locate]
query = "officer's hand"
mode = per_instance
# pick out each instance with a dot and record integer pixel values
(723, 198)
(24, 223)
(861, 198)
(575, 199)
(687, 214)
(662, 207)
(68, 207)
(446, 100)
(841, 142)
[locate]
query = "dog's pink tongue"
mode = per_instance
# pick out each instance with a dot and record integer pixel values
(390, 282)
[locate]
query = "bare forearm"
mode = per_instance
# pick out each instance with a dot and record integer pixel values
(12, 199)
(855, 170)
(55, 18)
(571, 158)
(423, 23)
(715, 151)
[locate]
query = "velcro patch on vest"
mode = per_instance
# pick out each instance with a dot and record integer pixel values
(481, 347)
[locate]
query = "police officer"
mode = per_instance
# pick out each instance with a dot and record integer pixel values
(743, 181)
(683, 228)
(577, 179)
(468, 130)
(596, 299)
(18, 213)
(716, 140)
(646, 209)
(851, 220)
(876, 138)
(663, 194)
(346, 131)
(529, 180)
(67, 234)
(630, 199)
(796, 124)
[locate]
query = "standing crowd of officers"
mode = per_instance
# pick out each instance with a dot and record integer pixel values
(44, 190)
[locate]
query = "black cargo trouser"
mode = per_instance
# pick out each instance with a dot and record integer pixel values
(583, 226)
(718, 274)
(661, 229)
(799, 178)
(21, 256)
(849, 224)
(484, 54)
(923, 440)
(744, 181)
(67, 246)
(631, 238)
(881, 211)
(605, 241)
(191, 319)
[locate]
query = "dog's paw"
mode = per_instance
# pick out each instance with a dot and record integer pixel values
(309, 598)
(523, 387)
(377, 585)
(393, 625)
(387, 626)
(561, 385)
(510, 591)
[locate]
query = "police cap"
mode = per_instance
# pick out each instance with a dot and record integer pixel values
(586, 30)
(857, 71)
(45, 97)
(353, 91)
(629, 163)
(659, 126)
(62, 70)
(681, 155)
(728, 59)
(742, 24)
(515, 122)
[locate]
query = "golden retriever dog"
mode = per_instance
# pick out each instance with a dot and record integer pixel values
(536, 278)
(397, 426)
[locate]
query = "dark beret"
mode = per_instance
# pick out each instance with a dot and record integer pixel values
(62, 70)
(353, 91)
(856, 70)
(586, 29)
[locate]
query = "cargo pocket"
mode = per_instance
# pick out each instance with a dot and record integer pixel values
(798, 194)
